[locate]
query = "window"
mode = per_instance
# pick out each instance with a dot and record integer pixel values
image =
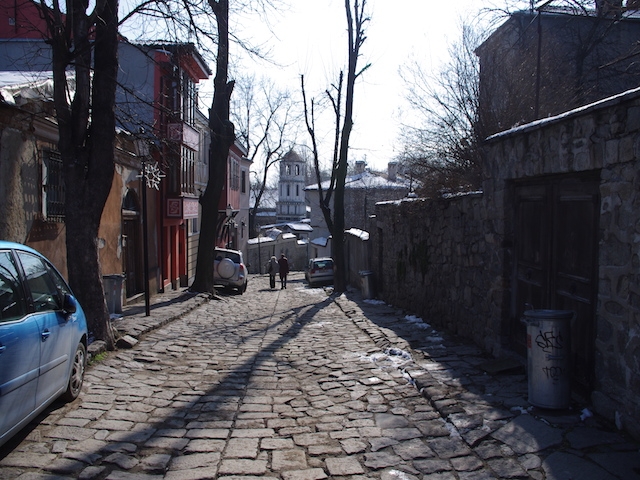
(12, 302)
(288, 190)
(43, 285)
(297, 190)
(243, 181)
(52, 186)
(194, 226)
(130, 203)
(287, 169)
(234, 175)
(188, 171)
(297, 169)
(189, 99)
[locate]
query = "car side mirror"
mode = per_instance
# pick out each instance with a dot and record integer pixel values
(70, 303)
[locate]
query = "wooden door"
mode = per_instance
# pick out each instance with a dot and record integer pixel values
(132, 253)
(555, 267)
(531, 274)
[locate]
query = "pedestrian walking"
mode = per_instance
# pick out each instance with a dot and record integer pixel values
(273, 269)
(284, 270)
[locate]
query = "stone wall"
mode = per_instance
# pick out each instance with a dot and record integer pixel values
(449, 260)
(435, 263)
(604, 138)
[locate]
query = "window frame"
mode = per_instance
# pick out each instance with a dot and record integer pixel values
(53, 187)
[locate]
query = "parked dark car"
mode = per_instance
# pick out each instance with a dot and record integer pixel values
(229, 269)
(319, 270)
(43, 338)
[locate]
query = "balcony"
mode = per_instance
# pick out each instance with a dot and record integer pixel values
(184, 134)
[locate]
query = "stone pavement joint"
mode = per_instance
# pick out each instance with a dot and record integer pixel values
(302, 384)
(164, 308)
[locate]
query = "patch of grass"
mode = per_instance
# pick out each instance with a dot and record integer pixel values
(98, 358)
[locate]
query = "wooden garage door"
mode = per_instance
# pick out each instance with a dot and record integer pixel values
(555, 267)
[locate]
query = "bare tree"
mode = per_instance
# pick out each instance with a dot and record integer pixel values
(441, 148)
(193, 20)
(554, 57)
(84, 37)
(264, 115)
(86, 40)
(542, 61)
(222, 137)
(356, 23)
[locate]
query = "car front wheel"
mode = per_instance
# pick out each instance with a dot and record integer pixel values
(77, 374)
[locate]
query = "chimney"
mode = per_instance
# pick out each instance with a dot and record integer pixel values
(392, 171)
(360, 164)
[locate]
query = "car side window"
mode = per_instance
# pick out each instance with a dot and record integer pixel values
(43, 289)
(60, 283)
(12, 302)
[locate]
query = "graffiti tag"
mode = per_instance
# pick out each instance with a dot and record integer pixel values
(553, 373)
(548, 341)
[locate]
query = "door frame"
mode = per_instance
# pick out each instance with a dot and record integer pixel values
(542, 277)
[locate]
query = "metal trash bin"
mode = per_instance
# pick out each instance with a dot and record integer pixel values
(366, 282)
(113, 292)
(549, 357)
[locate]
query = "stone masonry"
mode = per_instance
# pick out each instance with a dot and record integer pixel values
(449, 259)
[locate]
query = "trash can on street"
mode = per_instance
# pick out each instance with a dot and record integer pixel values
(366, 282)
(549, 357)
(113, 292)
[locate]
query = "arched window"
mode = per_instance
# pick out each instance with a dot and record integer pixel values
(130, 203)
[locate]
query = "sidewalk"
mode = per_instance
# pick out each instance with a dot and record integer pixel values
(163, 308)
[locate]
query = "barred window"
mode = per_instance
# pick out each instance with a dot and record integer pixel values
(52, 186)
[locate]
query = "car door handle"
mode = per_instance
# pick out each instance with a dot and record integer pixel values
(46, 334)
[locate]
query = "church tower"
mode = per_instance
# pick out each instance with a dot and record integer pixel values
(291, 206)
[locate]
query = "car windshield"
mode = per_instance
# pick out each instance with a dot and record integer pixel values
(323, 264)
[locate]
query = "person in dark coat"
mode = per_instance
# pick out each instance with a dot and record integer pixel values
(284, 270)
(273, 268)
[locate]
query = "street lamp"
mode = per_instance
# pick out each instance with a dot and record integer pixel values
(142, 150)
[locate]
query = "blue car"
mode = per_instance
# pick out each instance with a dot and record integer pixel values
(43, 338)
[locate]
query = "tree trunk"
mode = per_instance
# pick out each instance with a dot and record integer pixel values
(222, 137)
(86, 144)
(355, 41)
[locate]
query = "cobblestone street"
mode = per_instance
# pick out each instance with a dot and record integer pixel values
(298, 384)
